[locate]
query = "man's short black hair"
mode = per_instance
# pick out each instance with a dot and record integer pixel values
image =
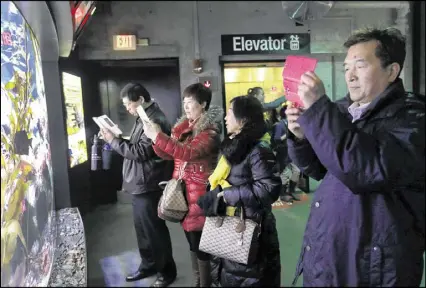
(133, 91)
(200, 93)
(390, 48)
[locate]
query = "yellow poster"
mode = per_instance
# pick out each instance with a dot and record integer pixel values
(77, 148)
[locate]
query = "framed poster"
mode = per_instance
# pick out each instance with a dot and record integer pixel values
(77, 147)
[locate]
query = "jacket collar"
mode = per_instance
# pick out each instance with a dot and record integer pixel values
(152, 107)
(150, 111)
(209, 119)
(391, 93)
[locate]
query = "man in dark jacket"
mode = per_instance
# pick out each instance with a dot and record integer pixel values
(288, 171)
(367, 221)
(143, 170)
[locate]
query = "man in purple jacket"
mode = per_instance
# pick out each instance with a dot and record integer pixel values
(367, 221)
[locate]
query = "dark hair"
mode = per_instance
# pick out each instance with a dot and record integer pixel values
(133, 91)
(200, 93)
(282, 112)
(273, 116)
(249, 110)
(390, 48)
(254, 91)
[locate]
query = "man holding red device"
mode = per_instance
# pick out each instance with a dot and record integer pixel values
(367, 221)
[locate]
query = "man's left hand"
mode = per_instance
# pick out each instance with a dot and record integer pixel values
(311, 88)
(107, 135)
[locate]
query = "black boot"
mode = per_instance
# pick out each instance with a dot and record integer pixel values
(284, 196)
(166, 277)
(292, 190)
(163, 281)
(292, 187)
(195, 270)
(283, 192)
(205, 273)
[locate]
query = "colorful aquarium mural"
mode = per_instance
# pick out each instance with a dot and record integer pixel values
(28, 236)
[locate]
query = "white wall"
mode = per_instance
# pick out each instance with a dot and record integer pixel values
(169, 27)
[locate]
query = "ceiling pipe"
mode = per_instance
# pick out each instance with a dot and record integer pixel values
(371, 4)
(197, 62)
(196, 30)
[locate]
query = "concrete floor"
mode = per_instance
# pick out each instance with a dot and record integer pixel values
(110, 231)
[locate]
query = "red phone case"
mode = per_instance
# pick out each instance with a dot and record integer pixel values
(294, 68)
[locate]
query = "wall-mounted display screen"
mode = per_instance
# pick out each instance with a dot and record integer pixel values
(77, 148)
(28, 236)
(81, 12)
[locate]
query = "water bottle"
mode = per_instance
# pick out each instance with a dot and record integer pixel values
(106, 156)
(96, 154)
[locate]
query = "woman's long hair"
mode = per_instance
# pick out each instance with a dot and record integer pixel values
(249, 110)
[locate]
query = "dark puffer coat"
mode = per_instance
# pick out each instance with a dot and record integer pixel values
(256, 187)
(367, 220)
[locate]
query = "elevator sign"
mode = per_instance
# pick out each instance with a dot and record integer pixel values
(124, 42)
(295, 43)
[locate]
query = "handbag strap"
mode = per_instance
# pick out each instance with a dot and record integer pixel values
(242, 212)
(182, 170)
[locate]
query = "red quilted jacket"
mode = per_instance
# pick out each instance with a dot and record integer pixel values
(198, 145)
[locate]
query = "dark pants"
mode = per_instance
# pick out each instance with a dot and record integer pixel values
(153, 236)
(194, 238)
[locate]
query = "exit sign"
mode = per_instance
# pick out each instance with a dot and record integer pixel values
(124, 42)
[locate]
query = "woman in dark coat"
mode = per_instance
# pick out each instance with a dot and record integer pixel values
(251, 183)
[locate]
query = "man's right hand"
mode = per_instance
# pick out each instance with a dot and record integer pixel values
(292, 115)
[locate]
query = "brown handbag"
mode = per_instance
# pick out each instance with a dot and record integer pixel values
(172, 205)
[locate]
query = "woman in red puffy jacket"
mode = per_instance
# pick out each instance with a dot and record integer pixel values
(195, 140)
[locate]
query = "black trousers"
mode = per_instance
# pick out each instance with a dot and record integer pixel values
(194, 238)
(153, 236)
